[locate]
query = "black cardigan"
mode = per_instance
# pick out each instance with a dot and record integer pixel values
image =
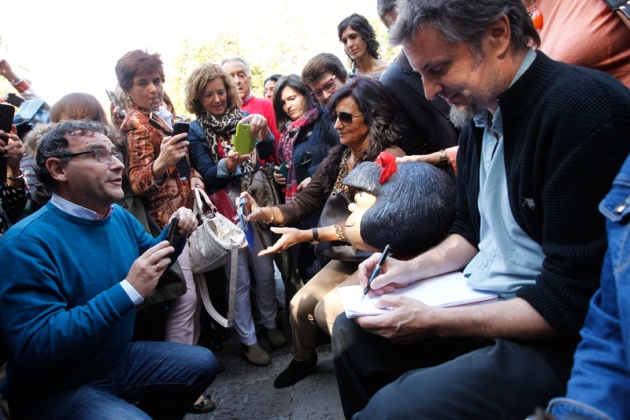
(566, 133)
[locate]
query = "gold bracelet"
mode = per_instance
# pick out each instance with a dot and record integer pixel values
(339, 232)
(273, 216)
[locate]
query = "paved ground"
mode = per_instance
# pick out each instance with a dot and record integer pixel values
(244, 391)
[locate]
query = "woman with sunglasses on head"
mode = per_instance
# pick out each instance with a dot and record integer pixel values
(360, 44)
(308, 134)
(362, 117)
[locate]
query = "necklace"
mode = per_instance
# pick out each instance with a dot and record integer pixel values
(343, 172)
(535, 15)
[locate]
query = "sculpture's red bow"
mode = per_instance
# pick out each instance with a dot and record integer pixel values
(387, 162)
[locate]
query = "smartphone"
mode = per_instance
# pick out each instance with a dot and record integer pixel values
(172, 235)
(180, 127)
(283, 170)
(7, 112)
(6, 120)
(243, 141)
(112, 97)
(14, 100)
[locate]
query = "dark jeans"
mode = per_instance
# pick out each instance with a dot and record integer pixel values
(159, 381)
(445, 378)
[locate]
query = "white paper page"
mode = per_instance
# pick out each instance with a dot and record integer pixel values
(443, 291)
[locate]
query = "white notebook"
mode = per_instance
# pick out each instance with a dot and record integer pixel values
(444, 291)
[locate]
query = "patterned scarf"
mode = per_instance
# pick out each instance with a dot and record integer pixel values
(221, 129)
(286, 147)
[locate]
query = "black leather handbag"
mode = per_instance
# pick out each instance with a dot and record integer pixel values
(335, 210)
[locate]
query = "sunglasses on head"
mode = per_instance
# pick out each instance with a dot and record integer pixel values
(154, 123)
(344, 117)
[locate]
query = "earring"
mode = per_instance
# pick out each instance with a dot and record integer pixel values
(536, 16)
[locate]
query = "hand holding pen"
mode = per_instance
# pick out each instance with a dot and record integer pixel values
(377, 269)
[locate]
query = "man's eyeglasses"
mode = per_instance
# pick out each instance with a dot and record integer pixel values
(329, 87)
(344, 117)
(102, 155)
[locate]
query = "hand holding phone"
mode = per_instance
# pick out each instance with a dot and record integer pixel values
(180, 127)
(172, 235)
(283, 170)
(243, 141)
(183, 167)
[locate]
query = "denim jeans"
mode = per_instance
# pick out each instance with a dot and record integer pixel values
(159, 380)
(600, 380)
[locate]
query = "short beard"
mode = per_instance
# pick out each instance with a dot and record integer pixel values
(461, 115)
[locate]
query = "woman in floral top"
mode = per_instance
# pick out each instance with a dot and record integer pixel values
(153, 154)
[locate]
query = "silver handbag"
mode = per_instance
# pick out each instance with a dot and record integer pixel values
(214, 243)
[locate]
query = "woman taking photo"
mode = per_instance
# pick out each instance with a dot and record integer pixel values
(360, 44)
(308, 134)
(213, 98)
(362, 116)
(152, 155)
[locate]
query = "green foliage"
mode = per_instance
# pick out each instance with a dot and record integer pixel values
(388, 53)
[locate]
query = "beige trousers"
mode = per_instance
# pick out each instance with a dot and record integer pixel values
(303, 304)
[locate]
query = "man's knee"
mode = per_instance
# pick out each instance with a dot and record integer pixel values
(201, 362)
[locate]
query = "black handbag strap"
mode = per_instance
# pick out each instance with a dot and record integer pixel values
(621, 8)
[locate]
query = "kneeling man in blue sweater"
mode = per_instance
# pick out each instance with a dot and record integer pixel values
(72, 275)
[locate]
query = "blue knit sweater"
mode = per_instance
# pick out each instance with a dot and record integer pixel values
(64, 318)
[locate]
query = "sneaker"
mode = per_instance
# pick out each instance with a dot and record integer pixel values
(276, 338)
(295, 372)
(256, 355)
(204, 406)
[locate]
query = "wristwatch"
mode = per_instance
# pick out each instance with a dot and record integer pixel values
(443, 159)
(315, 239)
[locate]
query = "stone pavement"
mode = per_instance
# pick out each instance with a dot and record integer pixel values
(244, 391)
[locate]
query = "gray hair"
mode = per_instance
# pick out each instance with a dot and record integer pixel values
(463, 20)
(385, 7)
(236, 58)
(55, 144)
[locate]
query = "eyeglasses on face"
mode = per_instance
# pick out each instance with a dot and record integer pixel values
(344, 117)
(102, 155)
(329, 87)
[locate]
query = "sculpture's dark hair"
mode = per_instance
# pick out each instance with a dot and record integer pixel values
(414, 208)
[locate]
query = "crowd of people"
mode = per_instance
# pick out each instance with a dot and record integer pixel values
(489, 146)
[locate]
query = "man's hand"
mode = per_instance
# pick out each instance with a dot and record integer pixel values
(187, 221)
(393, 275)
(147, 269)
(408, 320)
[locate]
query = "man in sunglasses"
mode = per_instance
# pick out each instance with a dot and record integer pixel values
(541, 143)
(323, 74)
(73, 274)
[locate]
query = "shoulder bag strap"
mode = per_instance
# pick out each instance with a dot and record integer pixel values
(621, 8)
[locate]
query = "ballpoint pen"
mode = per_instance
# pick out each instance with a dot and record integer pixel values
(377, 269)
